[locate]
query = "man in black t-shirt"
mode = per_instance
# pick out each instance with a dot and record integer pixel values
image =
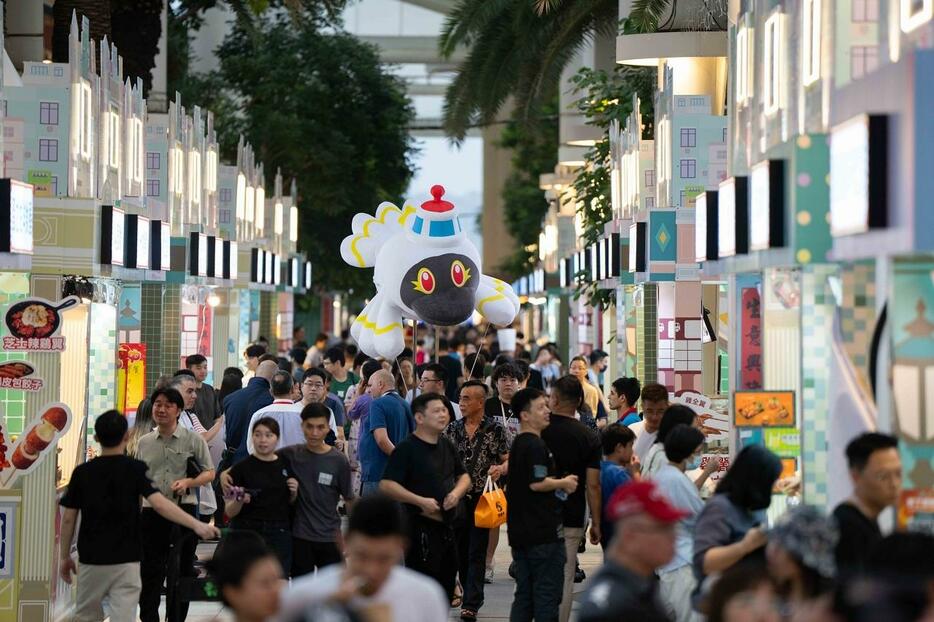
(533, 519)
(876, 471)
(577, 451)
(425, 473)
(106, 492)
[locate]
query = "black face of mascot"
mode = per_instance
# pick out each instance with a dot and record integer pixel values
(441, 289)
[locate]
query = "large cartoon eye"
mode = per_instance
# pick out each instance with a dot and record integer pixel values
(425, 281)
(459, 273)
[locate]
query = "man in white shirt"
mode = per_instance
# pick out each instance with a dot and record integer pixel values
(373, 582)
(285, 412)
(654, 404)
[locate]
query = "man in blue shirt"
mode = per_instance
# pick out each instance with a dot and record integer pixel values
(240, 405)
(389, 422)
(617, 440)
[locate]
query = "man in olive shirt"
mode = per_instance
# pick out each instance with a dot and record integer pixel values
(167, 452)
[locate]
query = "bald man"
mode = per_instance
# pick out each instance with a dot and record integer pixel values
(240, 405)
(389, 422)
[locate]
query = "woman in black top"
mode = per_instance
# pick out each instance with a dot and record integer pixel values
(263, 488)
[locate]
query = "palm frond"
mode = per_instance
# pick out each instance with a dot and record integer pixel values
(468, 20)
(645, 14)
(545, 6)
(573, 27)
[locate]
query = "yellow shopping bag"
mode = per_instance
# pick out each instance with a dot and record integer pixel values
(491, 509)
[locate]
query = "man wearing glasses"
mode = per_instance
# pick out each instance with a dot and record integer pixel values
(433, 380)
(315, 391)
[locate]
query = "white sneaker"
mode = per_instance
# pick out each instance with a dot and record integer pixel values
(488, 576)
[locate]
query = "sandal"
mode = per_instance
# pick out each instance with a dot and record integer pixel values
(458, 600)
(468, 614)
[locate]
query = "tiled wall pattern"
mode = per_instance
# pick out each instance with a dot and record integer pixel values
(152, 330)
(267, 318)
(171, 329)
(858, 315)
(666, 335)
(817, 308)
(102, 362)
(647, 333)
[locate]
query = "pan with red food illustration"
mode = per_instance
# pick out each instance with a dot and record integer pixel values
(36, 317)
(15, 369)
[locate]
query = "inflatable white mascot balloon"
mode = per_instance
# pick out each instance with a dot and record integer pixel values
(424, 268)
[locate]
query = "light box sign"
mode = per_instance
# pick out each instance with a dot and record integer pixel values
(113, 230)
(230, 260)
(308, 275)
(138, 232)
(16, 198)
(733, 217)
(612, 258)
(276, 269)
(269, 262)
(637, 247)
(257, 270)
(767, 205)
(294, 272)
(705, 226)
(165, 253)
(218, 270)
(198, 254)
(858, 175)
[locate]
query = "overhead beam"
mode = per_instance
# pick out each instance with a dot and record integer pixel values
(411, 49)
(425, 89)
(438, 6)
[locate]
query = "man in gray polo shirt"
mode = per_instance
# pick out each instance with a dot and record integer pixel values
(166, 452)
(324, 477)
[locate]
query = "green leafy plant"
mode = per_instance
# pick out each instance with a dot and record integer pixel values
(608, 97)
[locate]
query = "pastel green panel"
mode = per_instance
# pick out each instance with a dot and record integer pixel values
(810, 198)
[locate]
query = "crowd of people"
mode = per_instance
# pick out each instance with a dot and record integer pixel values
(359, 481)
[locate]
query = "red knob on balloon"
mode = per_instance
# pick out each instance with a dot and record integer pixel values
(437, 204)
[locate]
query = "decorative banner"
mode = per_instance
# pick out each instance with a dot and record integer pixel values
(716, 428)
(131, 376)
(763, 408)
(750, 373)
(13, 376)
(33, 444)
(784, 442)
(34, 323)
(716, 424)
(916, 509)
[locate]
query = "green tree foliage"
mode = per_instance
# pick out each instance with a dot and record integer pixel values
(249, 12)
(608, 97)
(318, 104)
(535, 150)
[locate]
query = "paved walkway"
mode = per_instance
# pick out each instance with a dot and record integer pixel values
(498, 595)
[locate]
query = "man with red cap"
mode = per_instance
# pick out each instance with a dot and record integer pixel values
(644, 540)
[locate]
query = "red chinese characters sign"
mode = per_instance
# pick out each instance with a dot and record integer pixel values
(750, 346)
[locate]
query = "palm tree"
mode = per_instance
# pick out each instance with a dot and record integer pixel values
(518, 48)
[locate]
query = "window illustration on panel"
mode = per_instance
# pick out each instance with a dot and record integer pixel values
(688, 137)
(152, 187)
(48, 150)
(48, 113)
(152, 160)
(688, 169)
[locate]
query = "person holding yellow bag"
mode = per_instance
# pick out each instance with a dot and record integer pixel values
(482, 446)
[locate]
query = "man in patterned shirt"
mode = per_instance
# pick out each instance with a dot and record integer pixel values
(481, 443)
